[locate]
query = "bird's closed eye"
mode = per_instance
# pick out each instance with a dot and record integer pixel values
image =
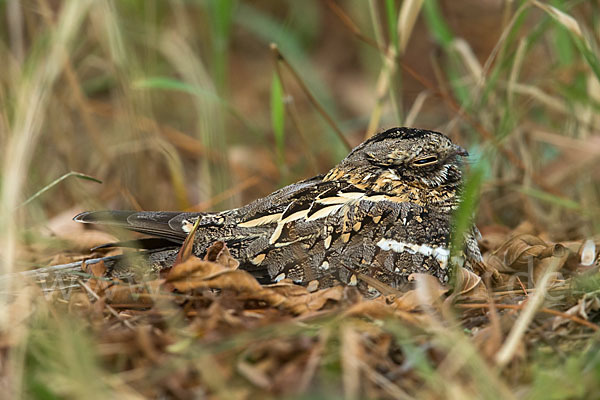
(423, 161)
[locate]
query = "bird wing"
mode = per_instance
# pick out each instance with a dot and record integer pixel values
(174, 226)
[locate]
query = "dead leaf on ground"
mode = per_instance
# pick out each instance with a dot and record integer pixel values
(98, 271)
(132, 295)
(190, 272)
(466, 281)
(185, 274)
(219, 253)
(300, 301)
(517, 253)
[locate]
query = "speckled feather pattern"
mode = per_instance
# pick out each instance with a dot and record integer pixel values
(384, 211)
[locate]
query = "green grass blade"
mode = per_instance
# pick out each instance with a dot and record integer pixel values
(166, 83)
(463, 217)
(221, 21)
(392, 21)
(57, 181)
(436, 24)
(550, 198)
(278, 116)
(574, 30)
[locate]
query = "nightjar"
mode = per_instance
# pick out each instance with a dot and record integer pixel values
(384, 212)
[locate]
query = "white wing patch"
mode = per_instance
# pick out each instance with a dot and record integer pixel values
(295, 216)
(342, 198)
(258, 259)
(276, 233)
(441, 254)
(264, 220)
(188, 224)
(324, 212)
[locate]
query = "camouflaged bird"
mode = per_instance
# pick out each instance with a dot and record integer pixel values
(384, 211)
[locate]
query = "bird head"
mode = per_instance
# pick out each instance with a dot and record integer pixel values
(414, 156)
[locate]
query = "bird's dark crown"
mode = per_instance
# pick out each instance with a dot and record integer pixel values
(406, 156)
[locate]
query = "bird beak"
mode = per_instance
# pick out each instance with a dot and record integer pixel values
(461, 152)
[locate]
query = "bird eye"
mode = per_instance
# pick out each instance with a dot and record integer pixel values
(427, 160)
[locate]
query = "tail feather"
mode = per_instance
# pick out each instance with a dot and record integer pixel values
(163, 224)
(63, 277)
(151, 243)
(104, 217)
(134, 266)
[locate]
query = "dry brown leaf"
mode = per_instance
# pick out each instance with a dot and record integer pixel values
(237, 280)
(377, 308)
(383, 288)
(483, 269)
(199, 274)
(219, 253)
(130, 295)
(287, 288)
(189, 271)
(300, 301)
(80, 302)
(540, 268)
(409, 301)
(318, 299)
(193, 269)
(381, 308)
(145, 342)
(466, 281)
(427, 294)
(98, 271)
(517, 253)
(195, 273)
(519, 250)
(62, 224)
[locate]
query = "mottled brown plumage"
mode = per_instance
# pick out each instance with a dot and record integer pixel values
(384, 211)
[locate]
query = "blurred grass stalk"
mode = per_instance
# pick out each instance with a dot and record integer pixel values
(211, 121)
(32, 86)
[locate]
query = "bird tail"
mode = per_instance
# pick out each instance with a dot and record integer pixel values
(162, 224)
(64, 277)
(135, 266)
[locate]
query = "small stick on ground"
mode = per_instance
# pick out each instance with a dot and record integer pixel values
(544, 310)
(108, 307)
